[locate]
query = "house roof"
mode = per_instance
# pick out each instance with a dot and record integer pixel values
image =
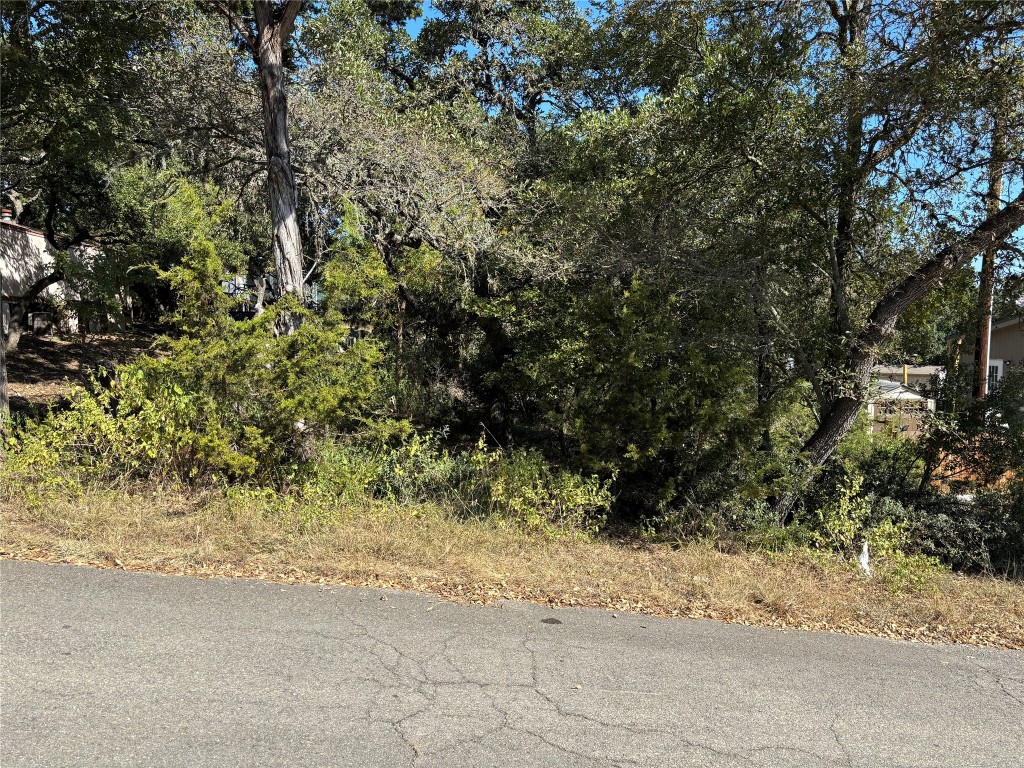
(1008, 323)
(23, 228)
(913, 370)
(893, 390)
(33, 232)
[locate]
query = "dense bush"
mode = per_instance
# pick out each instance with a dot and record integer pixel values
(879, 483)
(979, 533)
(240, 403)
(156, 423)
(514, 486)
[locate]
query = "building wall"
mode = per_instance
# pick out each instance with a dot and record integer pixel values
(903, 417)
(1008, 344)
(915, 377)
(25, 256)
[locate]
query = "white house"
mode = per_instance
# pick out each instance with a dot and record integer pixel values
(25, 258)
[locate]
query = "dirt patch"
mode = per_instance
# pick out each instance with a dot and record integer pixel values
(44, 368)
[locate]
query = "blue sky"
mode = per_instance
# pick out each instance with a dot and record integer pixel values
(428, 12)
(416, 25)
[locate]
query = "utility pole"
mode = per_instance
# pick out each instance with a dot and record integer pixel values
(986, 288)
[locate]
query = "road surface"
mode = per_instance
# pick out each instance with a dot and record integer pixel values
(105, 668)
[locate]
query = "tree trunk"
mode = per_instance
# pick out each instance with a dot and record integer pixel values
(842, 412)
(764, 383)
(5, 406)
(836, 424)
(987, 283)
(287, 243)
(851, 175)
(275, 22)
(261, 295)
(399, 352)
(19, 308)
(496, 350)
(15, 328)
(274, 26)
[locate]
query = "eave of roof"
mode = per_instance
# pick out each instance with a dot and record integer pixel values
(891, 390)
(23, 228)
(911, 369)
(1008, 323)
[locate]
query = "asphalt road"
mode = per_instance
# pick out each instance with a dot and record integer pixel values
(105, 668)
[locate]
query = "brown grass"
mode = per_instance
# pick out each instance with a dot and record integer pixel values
(424, 548)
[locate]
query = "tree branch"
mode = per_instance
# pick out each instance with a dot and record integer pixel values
(286, 21)
(40, 285)
(993, 231)
(224, 7)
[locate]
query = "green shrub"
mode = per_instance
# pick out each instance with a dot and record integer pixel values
(983, 533)
(524, 489)
(137, 428)
(239, 403)
(840, 520)
(510, 486)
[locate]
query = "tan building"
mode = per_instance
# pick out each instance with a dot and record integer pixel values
(897, 407)
(1006, 349)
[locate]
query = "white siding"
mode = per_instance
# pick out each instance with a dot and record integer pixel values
(25, 256)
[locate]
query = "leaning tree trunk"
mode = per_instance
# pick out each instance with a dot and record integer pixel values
(838, 419)
(882, 323)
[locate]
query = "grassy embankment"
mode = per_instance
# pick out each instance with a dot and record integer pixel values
(426, 547)
(422, 547)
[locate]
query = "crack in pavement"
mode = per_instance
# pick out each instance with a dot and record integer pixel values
(999, 680)
(254, 675)
(832, 726)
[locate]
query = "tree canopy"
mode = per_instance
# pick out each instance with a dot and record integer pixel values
(660, 242)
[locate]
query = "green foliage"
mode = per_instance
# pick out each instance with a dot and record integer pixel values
(840, 519)
(642, 246)
(523, 488)
(899, 568)
(236, 402)
(889, 463)
(64, 128)
(983, 533)
(622, 390)
(518, 488)
(139, 428)
(874, 494)
(202, 304)
(168, 235)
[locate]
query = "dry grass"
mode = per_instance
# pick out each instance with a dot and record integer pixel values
(426, 549)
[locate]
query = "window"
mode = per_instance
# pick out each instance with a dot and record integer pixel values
(995, 374)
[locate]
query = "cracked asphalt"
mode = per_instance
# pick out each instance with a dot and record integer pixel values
(106, 668)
